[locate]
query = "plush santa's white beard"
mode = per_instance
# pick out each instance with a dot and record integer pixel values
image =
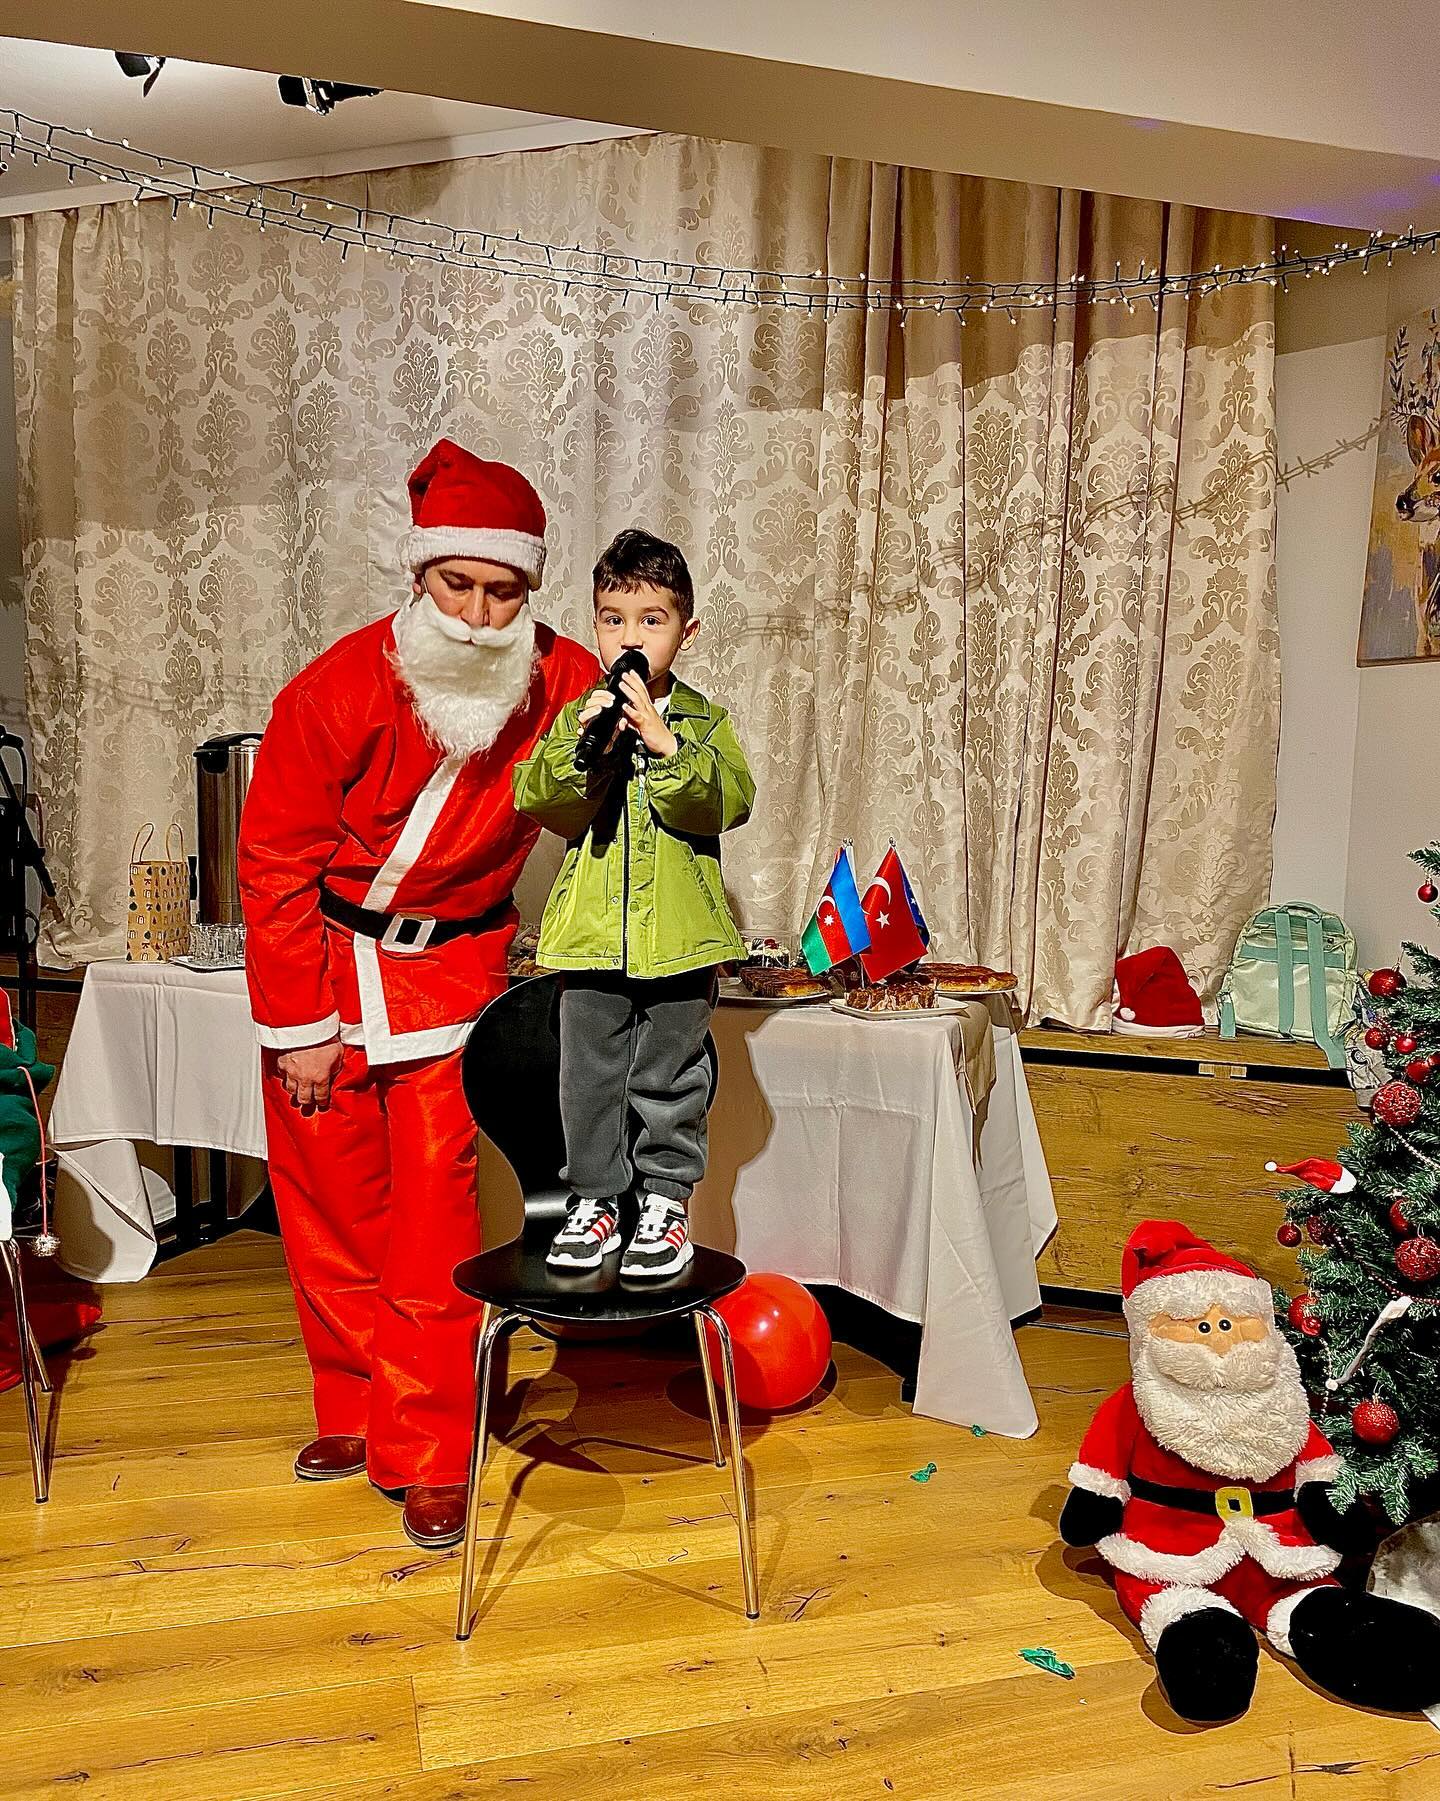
(465, 681)
(1243, 1415)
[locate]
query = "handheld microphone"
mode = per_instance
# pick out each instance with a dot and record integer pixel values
(598, 733)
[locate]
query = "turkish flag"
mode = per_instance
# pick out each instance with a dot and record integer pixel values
(897, 931)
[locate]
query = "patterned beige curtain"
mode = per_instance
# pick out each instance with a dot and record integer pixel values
(1004, 593)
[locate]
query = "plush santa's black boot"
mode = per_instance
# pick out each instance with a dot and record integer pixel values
(1207, 1662)
(1366, 1649)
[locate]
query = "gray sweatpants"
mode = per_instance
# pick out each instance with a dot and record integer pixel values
(629, 1046)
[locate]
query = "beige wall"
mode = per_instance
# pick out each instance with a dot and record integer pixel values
(1358, 788)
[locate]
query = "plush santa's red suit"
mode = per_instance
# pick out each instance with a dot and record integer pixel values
(353, 796)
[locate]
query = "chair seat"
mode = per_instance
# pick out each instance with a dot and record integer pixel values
(516, 1276)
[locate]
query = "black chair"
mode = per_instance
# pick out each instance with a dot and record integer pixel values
(512, 1084)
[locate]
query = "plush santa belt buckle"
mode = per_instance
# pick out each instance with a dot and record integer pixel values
(1234, 1504)
(408, 933)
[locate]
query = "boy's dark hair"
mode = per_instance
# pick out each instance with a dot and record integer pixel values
(635, 559)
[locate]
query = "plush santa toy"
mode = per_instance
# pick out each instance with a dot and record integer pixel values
(1204, 1484)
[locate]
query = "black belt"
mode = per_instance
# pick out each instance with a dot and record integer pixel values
(407, 932)
(1229, 1503)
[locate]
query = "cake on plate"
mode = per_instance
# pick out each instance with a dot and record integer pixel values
(791, 983)
(966, 978)
(912, 996)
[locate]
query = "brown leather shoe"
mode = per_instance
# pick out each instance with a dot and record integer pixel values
(435, 1517)
(326, 1459)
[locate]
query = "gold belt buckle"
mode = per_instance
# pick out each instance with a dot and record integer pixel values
(1234, 1504)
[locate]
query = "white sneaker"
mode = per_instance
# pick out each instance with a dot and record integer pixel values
(591, 1231)
(661, 1245)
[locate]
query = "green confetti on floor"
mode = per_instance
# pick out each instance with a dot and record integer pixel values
(1044, 1658)
(924, 1475)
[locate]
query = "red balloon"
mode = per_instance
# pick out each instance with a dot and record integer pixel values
(781, 1340)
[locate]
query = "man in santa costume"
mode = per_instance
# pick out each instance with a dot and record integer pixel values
(378, 855)
(1204, 1484)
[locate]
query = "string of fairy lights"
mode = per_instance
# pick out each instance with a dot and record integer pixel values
(143, 176)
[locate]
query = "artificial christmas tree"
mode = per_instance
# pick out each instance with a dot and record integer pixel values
(1367, 1328)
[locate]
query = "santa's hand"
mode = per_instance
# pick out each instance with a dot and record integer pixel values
(1350, 1531)
(1086, 1517)
(309, 1074)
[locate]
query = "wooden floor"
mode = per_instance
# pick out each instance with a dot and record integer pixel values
(185, 1619)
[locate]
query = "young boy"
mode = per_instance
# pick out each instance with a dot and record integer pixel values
(638, 918)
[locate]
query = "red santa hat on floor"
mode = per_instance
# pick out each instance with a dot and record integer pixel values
(462, 506)
(1165, 1268)
(1319, 1172)
(1153, 995)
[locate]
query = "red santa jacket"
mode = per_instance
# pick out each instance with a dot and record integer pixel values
(349, 788)
(1162, 1542)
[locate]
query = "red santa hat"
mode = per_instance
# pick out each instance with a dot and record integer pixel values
(1154, 996)
(462, 506)
(1165, 1268)
(1319, 1172)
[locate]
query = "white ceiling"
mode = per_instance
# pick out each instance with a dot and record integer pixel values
(234, 119)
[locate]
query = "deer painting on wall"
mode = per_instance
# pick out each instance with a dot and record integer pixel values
(1400, 621)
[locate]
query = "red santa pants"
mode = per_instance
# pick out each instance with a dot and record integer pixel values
(376, 1198)
(1247, 1590)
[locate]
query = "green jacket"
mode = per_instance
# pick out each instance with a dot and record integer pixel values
(19, 1128)
(640, 887)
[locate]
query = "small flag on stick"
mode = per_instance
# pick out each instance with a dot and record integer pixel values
(898, 933)
(837, 929)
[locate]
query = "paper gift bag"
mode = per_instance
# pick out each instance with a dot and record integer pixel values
(158, 925)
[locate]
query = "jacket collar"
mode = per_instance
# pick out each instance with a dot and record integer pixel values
(687, 702)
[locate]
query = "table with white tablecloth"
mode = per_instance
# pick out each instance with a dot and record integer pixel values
(895, 1158)
(159, 1054)
(853, 1152)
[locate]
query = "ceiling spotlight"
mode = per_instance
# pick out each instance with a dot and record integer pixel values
(146, 68)
(319, 96)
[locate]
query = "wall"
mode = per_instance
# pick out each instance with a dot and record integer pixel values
(1357, 787)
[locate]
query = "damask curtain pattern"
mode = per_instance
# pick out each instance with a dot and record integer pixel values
(1003, 593)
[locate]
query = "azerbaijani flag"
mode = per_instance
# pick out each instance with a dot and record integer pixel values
(838, 929)
(898, 933)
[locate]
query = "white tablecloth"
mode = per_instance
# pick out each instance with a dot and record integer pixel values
(842, 1151)
(159, 1054)
(847, 1151)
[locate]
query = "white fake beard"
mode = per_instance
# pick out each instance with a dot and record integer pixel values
(465, 681)
(1243, 1415)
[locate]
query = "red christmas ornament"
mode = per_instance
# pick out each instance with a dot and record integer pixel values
(1384, 983)
(1418, 1259)
(1289, 1235)
(1428, 892)
(1419, 1071)
(1398, 1219)
(1377, 1038)
(1397, 1104)
(1375, 1422)
(1304, 1315)
(1320, 1230)
(1406, 1044)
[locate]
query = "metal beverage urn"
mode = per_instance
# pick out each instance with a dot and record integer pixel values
(223, 767)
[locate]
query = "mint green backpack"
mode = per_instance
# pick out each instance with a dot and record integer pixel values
(1293, 975)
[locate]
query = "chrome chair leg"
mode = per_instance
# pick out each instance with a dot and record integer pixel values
(737, 1466)
(709, 1391)
(496, 1322)
(28, 1365)
(37, 1358)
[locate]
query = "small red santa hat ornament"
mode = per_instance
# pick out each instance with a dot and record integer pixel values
(462, 506)
(1319, 1172)
(1165, 1268)
(1153, 996)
